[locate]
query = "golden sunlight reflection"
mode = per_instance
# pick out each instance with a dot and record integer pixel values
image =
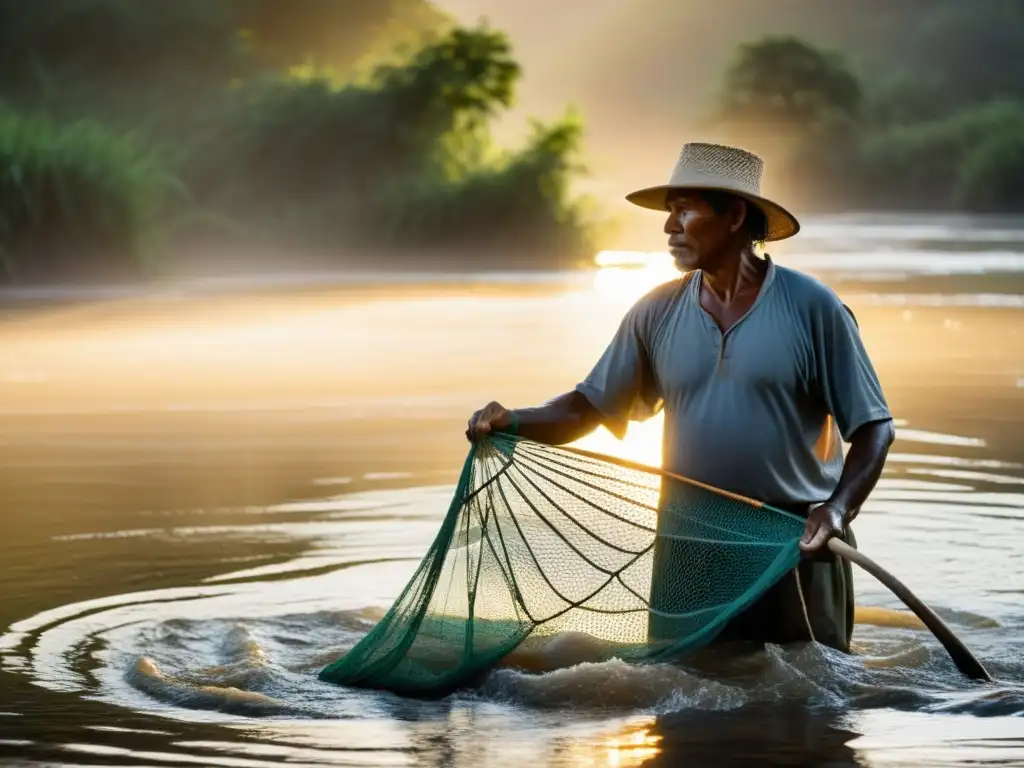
(641, 443)
(633, 745)
(349, 351)
(623, 277)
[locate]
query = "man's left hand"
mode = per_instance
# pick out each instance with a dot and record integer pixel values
(824, 522)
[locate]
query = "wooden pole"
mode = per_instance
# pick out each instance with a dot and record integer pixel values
(962, 657)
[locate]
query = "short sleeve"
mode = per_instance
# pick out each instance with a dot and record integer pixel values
(848, 382)
(621, 386)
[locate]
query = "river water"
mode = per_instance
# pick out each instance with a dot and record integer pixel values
(207, 494)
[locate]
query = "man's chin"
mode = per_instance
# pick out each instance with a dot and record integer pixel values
(685, 261)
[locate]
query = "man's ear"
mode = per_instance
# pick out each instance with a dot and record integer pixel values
(738, 211)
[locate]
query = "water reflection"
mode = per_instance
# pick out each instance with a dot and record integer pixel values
(635, 742)
(779, 734)
(235, 489)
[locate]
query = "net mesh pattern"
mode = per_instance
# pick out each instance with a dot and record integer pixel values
(543, 544)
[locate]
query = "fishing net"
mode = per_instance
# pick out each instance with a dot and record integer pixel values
(551, 555)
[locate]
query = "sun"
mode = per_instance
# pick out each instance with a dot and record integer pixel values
(623, 277)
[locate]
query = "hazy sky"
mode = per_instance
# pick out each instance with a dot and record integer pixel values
(581, 53)
(643, 73)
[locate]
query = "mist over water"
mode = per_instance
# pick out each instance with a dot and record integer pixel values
(207, 495)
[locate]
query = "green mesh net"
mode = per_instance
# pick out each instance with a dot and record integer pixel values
(550, 556)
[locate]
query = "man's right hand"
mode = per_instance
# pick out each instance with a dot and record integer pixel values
(491, 417)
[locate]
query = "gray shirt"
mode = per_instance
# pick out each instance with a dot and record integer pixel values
(757, 411)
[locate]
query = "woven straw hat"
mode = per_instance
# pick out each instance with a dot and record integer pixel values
(727, 169)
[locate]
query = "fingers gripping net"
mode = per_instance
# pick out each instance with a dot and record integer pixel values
(551, 556)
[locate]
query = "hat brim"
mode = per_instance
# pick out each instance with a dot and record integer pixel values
(781, 223)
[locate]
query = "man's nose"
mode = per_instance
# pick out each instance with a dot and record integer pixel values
(672, 223)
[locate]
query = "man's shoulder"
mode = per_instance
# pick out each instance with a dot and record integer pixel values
(803, 286)
(811, 295)
(661, 297)
(807, 290)
(649, 313)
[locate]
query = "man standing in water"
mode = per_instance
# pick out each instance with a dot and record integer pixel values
(759, 369)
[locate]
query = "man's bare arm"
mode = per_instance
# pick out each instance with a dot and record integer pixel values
(561, 420)
(865, 460)
(869, 448)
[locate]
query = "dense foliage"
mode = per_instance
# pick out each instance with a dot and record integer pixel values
(213, 126)
(79, 200)
(934, 121)
(139, 138)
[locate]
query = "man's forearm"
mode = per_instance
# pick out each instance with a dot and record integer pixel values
(562, 420)
(864, 462)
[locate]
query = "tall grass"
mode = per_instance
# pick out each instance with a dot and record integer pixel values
(78, 201)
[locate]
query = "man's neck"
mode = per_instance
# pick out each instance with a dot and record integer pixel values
(736, 275)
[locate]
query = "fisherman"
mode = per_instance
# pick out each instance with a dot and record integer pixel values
(761, 373)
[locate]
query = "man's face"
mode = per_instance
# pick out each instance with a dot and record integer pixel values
(697, 235)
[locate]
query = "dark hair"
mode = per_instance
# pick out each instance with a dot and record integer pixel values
(755, 224)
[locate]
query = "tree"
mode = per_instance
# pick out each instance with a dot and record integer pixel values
(783, 80)
(154, 65)
(972, 49)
